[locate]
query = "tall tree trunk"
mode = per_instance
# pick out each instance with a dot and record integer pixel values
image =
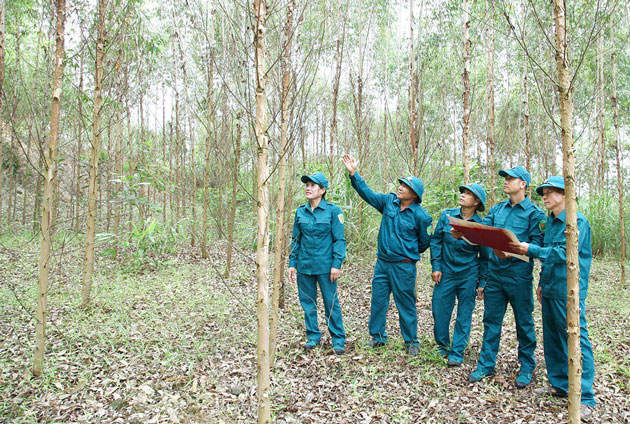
(601, 146)
(193, 184)
(341, 38)
(528, 146)
(278, 270)
(208, 144)
(3, 129)
(413, 115)
(118, 160)
(232, 215)
(490, 51)
(262, 243)
(90, 231)
(77, 194)
(565, 95)
(51, 171)
(466, 95)
(618, 150)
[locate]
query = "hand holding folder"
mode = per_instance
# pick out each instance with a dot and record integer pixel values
(485, 235)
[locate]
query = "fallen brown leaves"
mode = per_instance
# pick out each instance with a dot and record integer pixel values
(177, 345)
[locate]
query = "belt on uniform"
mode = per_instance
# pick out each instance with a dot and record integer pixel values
(405, 261)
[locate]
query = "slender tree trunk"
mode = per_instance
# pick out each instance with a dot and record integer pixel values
(278, 270)
(164, 161)
(262, 244)
(90, 232)
(77, 194)
(528, 147)
(618, 150)
(466, 94)
(3, 129)
(341, 38)
(601, 146)
(413, 114)
(118, 160)
(208, 145)
(51, 170)
(565, 95)
(232, 215)
(491, 158)
(193, 188)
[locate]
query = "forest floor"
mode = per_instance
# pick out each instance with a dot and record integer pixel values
(177, 343)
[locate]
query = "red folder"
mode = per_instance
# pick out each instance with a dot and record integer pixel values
(485, 235)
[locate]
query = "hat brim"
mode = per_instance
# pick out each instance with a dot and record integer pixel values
(481, 206)
(408, 184)
(540, 188)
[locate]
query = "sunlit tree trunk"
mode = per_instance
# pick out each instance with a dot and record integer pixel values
(262, 199)
(466, 95)
(232, 214)
(341, 39)
(528, 145)
(90, 232)
(278, 270)
(208, 142)
(52, 152)
(193, 188)
(565, 96)
(118, 160)
(599, 87)
(3, 129)
(490, 83)
(77, 176)
(413, 115)
(618, 150)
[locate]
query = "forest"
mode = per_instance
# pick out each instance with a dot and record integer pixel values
(151, 155)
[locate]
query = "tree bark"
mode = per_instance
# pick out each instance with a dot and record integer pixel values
(338, 61)
(3, 130)
(90, 231)
(565, 94)
(601, 142)
(232, 214)
(51, 171)
(208, 144)
(413, 114)
(618, 150)
(262, 186)
(466, 95)
(528, 146)
(490, 51)
(278, 270)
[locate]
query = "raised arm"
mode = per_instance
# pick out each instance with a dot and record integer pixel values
(377, 200)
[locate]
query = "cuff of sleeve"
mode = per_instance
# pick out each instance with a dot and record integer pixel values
(533, 250)
(292, 264)
(336, 265)
(481, 283)
(436, 267)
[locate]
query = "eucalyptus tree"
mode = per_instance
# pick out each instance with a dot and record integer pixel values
(90, 233)
(618, 149)
(47, 202)
(259, 28)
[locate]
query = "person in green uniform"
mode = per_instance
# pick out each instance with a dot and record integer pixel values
(458, 268)
(318, 248)
(552, 295)
(402, 237)
(510, 279)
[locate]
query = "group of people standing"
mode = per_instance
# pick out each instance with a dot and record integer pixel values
(461, 272)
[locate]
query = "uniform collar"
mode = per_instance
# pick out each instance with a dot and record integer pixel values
(412, 206)
(523, 203)
(474, 217)
(562, 216)
(322, 205)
